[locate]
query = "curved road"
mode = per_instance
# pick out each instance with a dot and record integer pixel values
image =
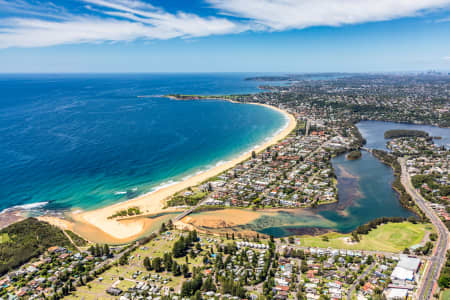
(438, 258)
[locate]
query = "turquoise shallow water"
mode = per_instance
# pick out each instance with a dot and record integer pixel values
(85, 141)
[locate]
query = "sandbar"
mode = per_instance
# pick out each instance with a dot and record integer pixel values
(222, 218)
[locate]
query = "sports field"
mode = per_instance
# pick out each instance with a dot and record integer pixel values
(391, 237)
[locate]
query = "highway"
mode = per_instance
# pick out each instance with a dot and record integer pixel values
(438, 258)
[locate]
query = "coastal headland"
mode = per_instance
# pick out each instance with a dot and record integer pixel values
(95, 225)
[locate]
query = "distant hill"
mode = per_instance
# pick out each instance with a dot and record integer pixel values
(296, 77)
(26, 239)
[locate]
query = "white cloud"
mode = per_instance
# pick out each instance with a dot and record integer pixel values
(447, 58)
(48, 10)
(120, 20)
(127, 20)
(297, 14)
(443, 20)
(38, 33)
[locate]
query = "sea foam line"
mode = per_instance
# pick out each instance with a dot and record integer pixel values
(29, 206)
(221, 162)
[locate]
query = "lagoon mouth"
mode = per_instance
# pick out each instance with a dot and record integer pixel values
(360, 200)
(364, 189)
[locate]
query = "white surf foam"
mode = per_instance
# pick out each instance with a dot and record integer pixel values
(29, 206)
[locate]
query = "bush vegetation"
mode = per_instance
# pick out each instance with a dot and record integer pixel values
(366, 228)
(397, 133)
(444, 279)
(79, 241)
(356, 154)
(27, 239)
(418, 180)
(131, 211)
(190, 200)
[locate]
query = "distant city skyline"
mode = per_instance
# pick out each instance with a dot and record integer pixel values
(78, 36)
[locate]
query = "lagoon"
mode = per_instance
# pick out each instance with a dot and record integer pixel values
(373, 132)
(365, 193)
(364, 189)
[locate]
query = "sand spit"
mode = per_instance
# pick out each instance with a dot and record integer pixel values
(222, 218)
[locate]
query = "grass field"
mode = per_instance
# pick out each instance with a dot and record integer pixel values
(4, 238)
(445, 295)
(391, 237)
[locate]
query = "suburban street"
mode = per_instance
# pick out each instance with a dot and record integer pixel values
(192, 209)
(364, 274)
(438, 258)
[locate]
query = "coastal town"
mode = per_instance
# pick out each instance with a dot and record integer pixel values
(297, 172)
(387, 258)
(211, 267)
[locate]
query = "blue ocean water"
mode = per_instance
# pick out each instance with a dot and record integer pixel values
(85, 141)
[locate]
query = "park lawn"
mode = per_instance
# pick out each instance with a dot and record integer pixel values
(97, 289)
(391, 237)
(124, 285)
(445, 295)
(4, 237)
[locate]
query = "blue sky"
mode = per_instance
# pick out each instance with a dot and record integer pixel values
(224, 35)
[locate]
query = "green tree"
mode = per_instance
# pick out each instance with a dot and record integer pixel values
(147, 264)
(185, 271)
(208, 285)
(300, 295)
(198, 295)
(106, 250)
(176, 270)
(157, 264)
(163, 228)
(179, 248)
(167, 261)
(124, 259)
(444, 281)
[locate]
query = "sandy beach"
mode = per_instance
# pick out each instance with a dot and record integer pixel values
(153, 202)
(222, 219)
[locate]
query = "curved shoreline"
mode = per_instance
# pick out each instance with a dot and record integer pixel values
(153, 202)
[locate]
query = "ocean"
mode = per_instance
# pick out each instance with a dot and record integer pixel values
(86, 141)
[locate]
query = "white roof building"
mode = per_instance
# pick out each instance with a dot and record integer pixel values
(400, 273)
(396, 294)
(409, 263)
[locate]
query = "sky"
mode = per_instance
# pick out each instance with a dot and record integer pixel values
(102, 36)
